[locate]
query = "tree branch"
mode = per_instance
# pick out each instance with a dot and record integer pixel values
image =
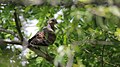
(68, 3)
(9, 42)
(8, 31)
(38, 51)
(96, 42)
(18, 25)
(42, 54)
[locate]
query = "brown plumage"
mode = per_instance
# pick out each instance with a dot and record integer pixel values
(45, 37)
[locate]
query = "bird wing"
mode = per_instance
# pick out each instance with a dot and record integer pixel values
(38, 39)
(49, 35)
(44, 38)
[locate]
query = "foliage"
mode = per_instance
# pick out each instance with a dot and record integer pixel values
(87, 36)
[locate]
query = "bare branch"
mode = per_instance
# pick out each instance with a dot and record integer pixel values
(18, 25)
(9, 42)
(8, 31)
(96, 42)
(38, 51)
(41, 54)
(68, 3)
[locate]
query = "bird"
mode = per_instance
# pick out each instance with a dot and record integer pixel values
(45, 37)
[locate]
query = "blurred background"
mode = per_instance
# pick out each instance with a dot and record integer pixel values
(88, 32)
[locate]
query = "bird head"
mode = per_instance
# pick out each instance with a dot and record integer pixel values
(52, 21)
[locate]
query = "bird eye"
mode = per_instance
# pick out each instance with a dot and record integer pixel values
(53, 20)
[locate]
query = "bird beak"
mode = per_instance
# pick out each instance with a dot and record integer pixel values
(56, 26)
(56, 22)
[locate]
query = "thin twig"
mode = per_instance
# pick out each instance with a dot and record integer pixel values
(8, 31)
(114, 65)
(18, 25)
(96, 42)
(2, 41)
